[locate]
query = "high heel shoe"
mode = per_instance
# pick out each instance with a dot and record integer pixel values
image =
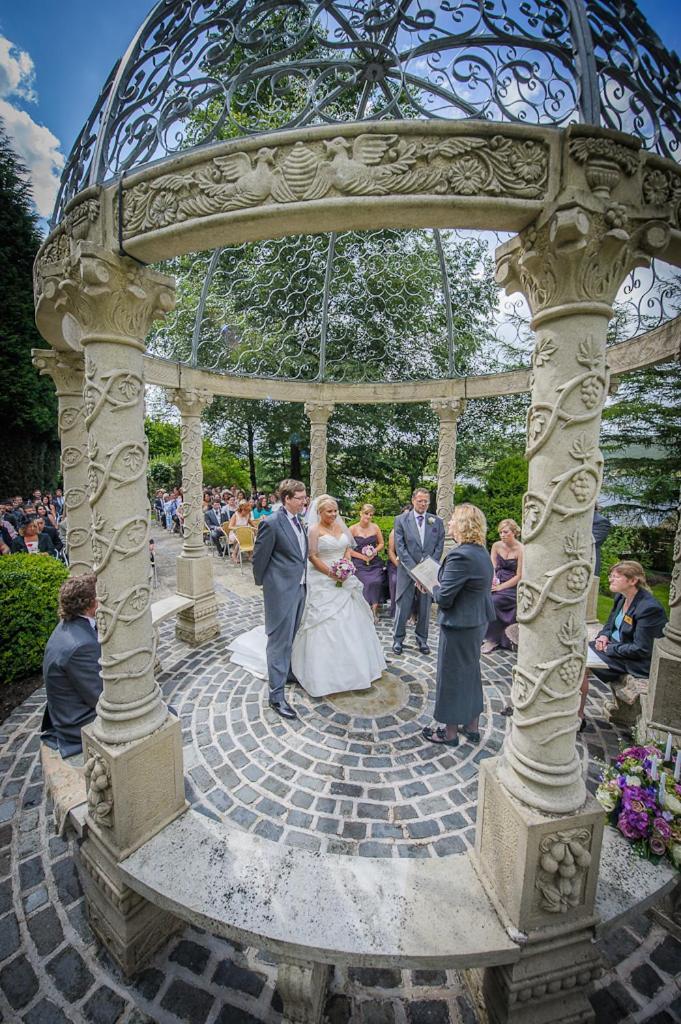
(472, 737)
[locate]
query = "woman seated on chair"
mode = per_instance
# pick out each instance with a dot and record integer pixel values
(242, 517)
(625, 644)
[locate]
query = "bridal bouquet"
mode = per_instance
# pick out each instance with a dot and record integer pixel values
(342, 570)
(642, 799)
(369, 551)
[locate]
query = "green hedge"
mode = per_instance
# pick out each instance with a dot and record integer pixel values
(29, 592)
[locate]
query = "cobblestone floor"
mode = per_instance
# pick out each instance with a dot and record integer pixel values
(334, 781)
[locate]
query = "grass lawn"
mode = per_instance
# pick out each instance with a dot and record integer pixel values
(660, 590)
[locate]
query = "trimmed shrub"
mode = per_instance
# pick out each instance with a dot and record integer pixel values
(624, 542)
(29, 592)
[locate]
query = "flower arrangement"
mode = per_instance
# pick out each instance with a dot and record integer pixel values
(369, 551)
(643, 800)
(342, 570)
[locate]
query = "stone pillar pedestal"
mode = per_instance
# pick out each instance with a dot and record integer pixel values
(194, 565)
(448, 411)
(318, 414)
(132, 750)
(539, 833)
(66, 370)
(302, 986)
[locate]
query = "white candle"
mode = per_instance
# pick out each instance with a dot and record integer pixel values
(662, 792)
(653, 768)
(677, 766)
(668, 748)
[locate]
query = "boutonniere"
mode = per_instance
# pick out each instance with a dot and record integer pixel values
(431, 520)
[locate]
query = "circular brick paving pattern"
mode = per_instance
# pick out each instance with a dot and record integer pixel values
(53, 972)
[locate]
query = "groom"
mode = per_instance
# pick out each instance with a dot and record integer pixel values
(279, 566)
(417, 536)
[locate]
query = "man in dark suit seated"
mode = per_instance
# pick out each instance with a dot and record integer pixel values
(214, 518)
(71, 668)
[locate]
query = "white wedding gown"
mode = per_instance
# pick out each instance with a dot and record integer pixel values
(336, 647)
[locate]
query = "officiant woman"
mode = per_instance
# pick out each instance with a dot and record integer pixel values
(465, 610)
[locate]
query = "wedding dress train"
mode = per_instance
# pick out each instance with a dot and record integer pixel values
(336, 648)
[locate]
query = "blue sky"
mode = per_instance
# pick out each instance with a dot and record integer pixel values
(55, 57)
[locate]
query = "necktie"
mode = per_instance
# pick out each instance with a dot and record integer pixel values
(296, 523)
(419, 520)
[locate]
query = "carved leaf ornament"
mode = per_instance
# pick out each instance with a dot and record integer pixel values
(368, 165)
(99, 792)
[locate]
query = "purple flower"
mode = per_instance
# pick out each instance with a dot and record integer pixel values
(657, 845)
(661, 827)
(632, 824)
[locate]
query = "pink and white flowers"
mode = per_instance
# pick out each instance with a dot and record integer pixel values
(369, 551)
(341, 570)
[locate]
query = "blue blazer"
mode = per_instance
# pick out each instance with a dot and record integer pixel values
(464, 593)
(645, 620)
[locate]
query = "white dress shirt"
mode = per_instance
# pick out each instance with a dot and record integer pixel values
(421, 530)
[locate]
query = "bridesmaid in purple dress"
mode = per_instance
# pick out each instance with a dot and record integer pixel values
(507, 559)
(369, 541)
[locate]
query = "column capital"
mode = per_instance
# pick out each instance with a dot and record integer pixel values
(190, 401)
(319, 412)
(65, 369)
(448, 408)
(95, 295)
(578, 255)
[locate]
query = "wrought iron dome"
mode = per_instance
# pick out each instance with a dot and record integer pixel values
(204, 70)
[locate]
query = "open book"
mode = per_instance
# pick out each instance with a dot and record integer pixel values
(425, 573)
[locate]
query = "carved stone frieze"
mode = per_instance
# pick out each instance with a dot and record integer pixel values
(564, 860)
(605, 161)
(662, 187)
(369, 165)
(99, 792)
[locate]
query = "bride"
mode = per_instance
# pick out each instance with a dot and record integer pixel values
(336, 647)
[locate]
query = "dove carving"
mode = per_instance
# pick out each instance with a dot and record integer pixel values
(360, 173)
(249, 180)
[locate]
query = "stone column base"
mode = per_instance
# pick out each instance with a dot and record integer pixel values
(129, 927)
(646, 729)
(548, 985)
(540, 870)
(302, 986)
(195, 580)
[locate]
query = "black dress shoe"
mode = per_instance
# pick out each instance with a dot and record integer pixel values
(283, 708)
(424, 648)
(397, 647)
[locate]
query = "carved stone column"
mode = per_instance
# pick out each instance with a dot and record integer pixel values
(662, 705)
(539, 832)
(318, 416)
(194, 565)
(448, 411)
(66, 370)
(133, 752)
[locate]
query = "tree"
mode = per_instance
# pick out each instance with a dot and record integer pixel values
(28, 406)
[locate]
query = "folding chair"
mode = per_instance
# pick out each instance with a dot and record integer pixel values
(245, 538)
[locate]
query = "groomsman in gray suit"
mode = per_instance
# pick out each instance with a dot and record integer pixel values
(418, 535)
(279, 567)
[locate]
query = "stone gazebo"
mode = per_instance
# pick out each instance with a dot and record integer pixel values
(334, 125)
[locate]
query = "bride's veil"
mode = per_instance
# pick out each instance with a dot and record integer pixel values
(313, 517)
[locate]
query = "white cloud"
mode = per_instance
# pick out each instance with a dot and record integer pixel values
(38, 150)
(35, 145)
(17, 73)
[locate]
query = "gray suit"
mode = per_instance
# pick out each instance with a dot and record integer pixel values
(410, 552)
(73, 684)
(279, 567)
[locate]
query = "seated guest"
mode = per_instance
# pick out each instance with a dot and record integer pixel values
(368, 566)
(242, 517)
(31, 542)
(45, 526)
(71, 667)
(625, 644)
(58, 501)
(214, 519)
(7, 528)
(262, 508)
(507, 560)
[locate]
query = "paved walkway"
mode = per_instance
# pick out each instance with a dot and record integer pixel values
(337, 780)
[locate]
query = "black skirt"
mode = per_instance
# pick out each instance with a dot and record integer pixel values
(458, 698)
